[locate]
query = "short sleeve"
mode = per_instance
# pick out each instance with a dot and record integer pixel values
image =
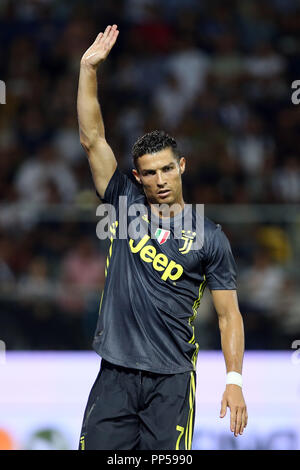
(120, 185)
(219, 266)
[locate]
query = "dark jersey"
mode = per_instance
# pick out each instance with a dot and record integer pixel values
(154, 285)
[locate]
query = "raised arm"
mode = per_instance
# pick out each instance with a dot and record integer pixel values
(91, 127)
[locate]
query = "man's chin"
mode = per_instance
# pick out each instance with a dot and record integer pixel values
(168, 199)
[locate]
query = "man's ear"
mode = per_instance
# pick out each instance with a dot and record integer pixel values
(182, 162)
(136, 175)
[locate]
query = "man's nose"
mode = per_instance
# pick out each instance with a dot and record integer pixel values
(159, 179)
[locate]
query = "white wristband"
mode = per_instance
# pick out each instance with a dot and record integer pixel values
(234, 378)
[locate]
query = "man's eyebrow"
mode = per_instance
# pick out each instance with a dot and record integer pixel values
(154, 169)
(168, 164)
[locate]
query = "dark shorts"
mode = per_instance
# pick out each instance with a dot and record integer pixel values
(131, 409)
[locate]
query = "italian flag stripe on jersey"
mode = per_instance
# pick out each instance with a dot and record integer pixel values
(162, 235)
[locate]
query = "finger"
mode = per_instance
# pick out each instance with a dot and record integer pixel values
(112, 35)
(233, 412)
(238, 422)
(223, 408)
(244, 419)
(106, 32)
(99, 37)
(110, 41)
(114, 38)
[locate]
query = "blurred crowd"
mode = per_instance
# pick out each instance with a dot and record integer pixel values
(217, 76)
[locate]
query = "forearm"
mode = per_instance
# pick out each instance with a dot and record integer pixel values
(90, 119)
(233, 344)
(232, 341)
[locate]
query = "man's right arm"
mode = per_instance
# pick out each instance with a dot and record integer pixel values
(91, 128)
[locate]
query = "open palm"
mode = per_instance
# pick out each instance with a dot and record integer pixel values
(101, 47)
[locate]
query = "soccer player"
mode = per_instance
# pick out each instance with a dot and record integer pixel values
(144, 394)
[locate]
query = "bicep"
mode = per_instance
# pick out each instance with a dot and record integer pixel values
(103, 164)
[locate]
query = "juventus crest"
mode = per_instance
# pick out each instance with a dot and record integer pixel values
(188, 238)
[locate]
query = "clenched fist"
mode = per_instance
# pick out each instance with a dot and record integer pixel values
(101, 47)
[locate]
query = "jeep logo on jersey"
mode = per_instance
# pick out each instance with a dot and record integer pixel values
(160, 262)
(162, 235)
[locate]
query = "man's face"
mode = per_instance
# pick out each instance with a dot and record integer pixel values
(160, 175)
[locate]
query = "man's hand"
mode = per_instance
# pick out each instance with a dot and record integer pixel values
(101, 47)
(233, 398)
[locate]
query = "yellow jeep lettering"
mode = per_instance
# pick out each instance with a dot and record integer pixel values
(148, 253)
(160, 262)
(167, 273)
(139, 246)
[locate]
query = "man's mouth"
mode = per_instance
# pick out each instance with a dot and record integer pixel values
(164, 192)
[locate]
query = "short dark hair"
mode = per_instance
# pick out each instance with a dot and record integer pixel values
(153, 142)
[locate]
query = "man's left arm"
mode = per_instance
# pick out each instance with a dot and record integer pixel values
(232, 342)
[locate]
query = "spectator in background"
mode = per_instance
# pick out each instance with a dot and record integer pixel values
(261, 287)
(35, 284)
(169, 103)
(35, 177)
(264, 62)
(264, 73)
(286, 180)
(257, 22)
(75, 36)
(253, 146)
(7, 276)
(189, 65)
(226, 67)
(21, 64)
(32, 129)
(66, 140)
(82, 275)
(154, 33)
(286, 313)
(61, 102)
(234, 112)
(261, 284)
(136, 11)
(253, 149)
(43, 325)
(130, 125)
(276, 242)
(128, 80)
